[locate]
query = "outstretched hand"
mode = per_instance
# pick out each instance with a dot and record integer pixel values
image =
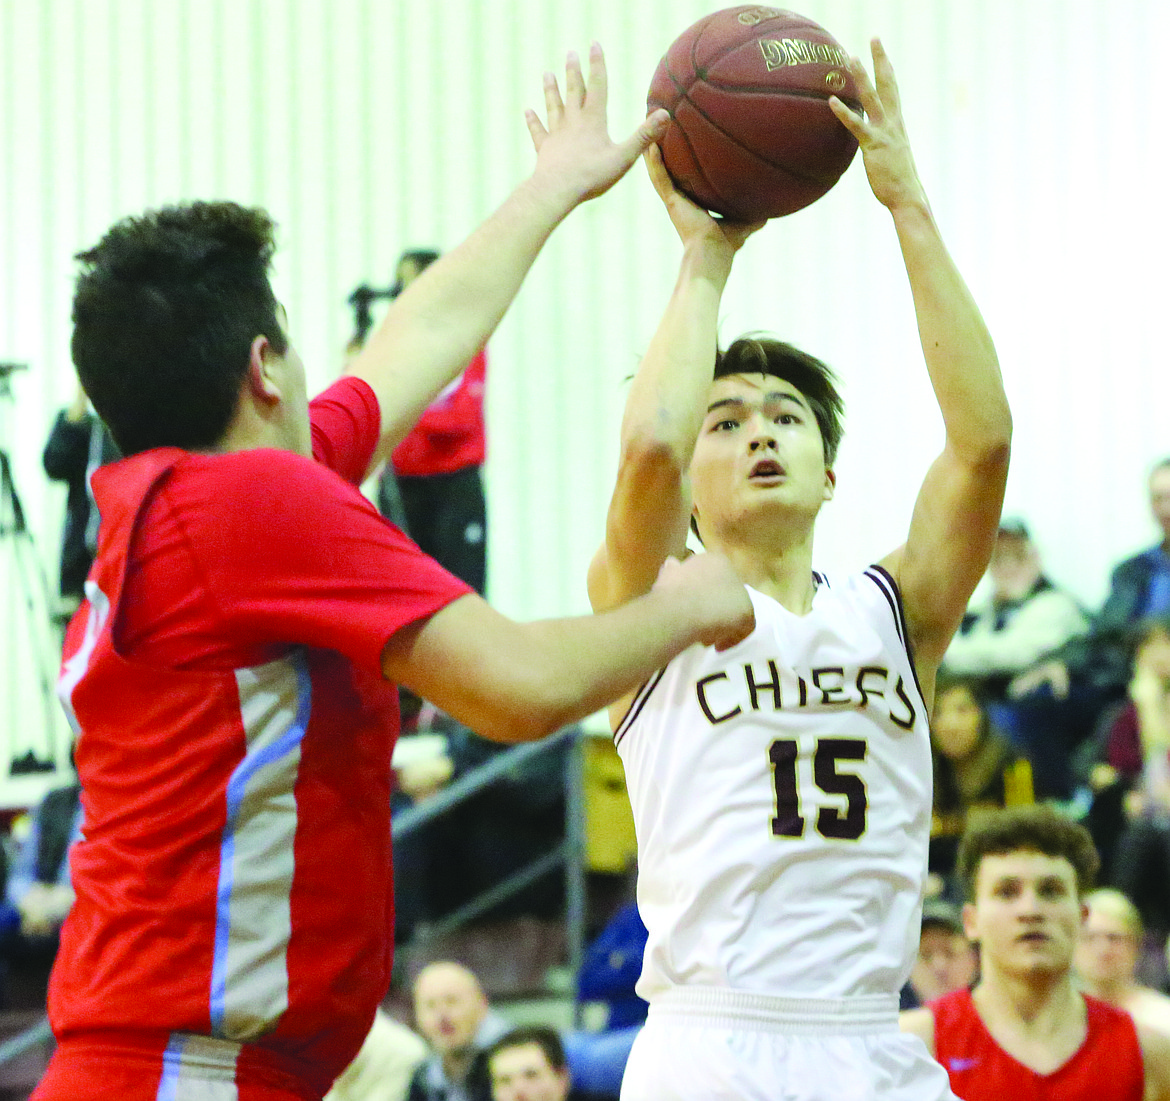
(881, 132)
(690, 220)
(574, 152)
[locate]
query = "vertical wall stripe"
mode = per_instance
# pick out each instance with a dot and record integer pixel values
(249, 983)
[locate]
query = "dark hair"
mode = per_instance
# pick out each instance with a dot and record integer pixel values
(421, 258)
(761, 355)
(754, 355)
(1039, 828)
(166, 308)
(547, 1039)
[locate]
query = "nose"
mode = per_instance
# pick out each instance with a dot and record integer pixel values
(763, 434)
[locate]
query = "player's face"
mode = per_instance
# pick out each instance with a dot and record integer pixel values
(1026, 915)
(759, 448)
(448, 1006)
(955, 722)
(946, 961)
(523, 1073)
(1107, 951)
(1160, 498)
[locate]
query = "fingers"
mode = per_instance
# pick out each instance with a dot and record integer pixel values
(870, 100)
(597, 94)
(648, 133)
(554, 108)
(536, 129)
(574, 82)
(656, 169)
(850, 119)
(883, 74)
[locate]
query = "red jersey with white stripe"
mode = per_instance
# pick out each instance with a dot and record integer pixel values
(450, 434)
(1106, 1067)
(234, 738)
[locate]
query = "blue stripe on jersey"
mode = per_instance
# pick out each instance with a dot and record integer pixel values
(249, 977)
(639, 701)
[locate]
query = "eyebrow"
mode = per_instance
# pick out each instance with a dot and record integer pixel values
(772, 398)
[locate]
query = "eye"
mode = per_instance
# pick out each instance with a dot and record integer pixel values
(787, 418)
(725, 425)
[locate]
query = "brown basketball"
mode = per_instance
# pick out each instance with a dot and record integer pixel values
(751, 134)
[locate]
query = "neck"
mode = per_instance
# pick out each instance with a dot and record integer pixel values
(784, 573)
(457, 1063)
(1036, 1003)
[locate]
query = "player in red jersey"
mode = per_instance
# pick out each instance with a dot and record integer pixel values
(231, 674)
(1025, 1032)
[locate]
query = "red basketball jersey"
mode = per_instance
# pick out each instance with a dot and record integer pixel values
(1106, 1067)
(233, 879)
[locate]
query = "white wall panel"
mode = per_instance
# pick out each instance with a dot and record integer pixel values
(367, 126)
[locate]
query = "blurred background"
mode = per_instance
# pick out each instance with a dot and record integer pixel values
(370, 126)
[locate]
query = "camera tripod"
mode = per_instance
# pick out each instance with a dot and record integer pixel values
(27, 667)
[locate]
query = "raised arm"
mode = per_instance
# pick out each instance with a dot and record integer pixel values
(953, 527)
(650, 508)
(519, 681)
(445, 316)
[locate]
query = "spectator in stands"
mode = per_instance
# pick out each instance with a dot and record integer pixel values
(78, 444)
(382, 1069)
(528, 1064)
(1024, 618)
(39, 886)
(452, 1012)
(612, 965)
(1107, 955)
(1141, 737)
(946, 961)
(1112, 765)
(437, 468)
(976, 769)
(1058, 703)
(38, 896)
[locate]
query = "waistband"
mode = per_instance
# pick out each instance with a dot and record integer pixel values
(720, 1007)
(189, 1058)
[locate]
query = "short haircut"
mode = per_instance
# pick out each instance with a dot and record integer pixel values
(761, 355)
(1039, 829)
(547, 1039)
(1161, 464)
(1113, 903)
(165, 310)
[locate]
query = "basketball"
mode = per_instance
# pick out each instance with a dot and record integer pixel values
(751, 133)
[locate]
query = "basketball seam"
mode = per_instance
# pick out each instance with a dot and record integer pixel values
(750, 152)
(771, 89)
(685, 93)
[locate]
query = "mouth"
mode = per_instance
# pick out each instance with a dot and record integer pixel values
(1036, 938)
(766, 469)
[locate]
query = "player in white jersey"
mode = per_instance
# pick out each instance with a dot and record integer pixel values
(781, 790)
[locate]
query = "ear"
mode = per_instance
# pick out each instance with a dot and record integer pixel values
(830, 483)
(970, 922)
(263, 381)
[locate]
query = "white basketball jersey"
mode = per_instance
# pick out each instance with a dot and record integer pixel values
(781, 793)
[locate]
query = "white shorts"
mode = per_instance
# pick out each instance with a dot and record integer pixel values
(706, 1044)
